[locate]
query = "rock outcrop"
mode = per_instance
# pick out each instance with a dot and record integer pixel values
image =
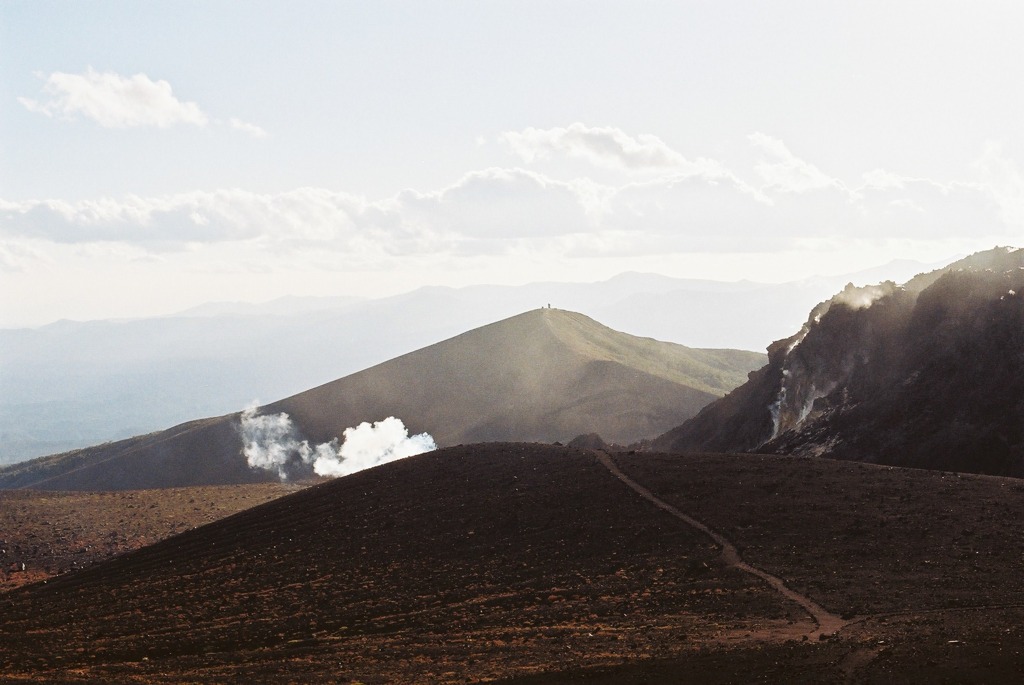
(929, 374)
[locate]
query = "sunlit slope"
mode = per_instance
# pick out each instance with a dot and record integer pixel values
(544, 375)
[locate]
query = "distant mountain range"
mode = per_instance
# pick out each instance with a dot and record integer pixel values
(929, 374)
(72, 384)
(546, 375)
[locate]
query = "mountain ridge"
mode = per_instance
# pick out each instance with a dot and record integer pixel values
(608, 367)
(75, 384)
(545, 375)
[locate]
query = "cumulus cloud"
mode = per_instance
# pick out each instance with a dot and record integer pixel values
(114, 101)
(604, 146)
(170, 222)
(502, 203)
(481, 207)
(880, 179)
(783, 171)
(788, 203)
(247, 128)
(690, 213)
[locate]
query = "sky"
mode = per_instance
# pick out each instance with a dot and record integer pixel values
(158, 155)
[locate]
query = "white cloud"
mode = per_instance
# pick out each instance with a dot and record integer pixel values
(115, 101)
(514, 212)
(500, 203)
(173, 221)
(482, 207)
(783, 171)
(1003, 183)
(880, 179)
(604, 146)
(247, 128)
(20, 256)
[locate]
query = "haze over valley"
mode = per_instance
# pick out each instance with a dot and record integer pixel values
(75, 384)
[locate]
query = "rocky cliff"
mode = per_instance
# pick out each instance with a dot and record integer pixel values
(927, 374)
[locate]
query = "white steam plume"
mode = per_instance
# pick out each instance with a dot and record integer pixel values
(368, 445)
(269, 442)
(863, 297)
(272, 443)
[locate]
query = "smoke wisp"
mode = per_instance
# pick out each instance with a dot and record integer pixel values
(272, 442)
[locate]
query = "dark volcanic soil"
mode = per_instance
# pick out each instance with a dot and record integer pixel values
(57, 532)
(477, 562)
(865, 539)
(535, 564)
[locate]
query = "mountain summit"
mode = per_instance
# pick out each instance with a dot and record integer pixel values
(929, 374)
(545, 375)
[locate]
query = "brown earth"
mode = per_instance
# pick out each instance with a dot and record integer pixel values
(57, 532)
(537, 564)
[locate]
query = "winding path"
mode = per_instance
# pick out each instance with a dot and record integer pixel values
(828, 623)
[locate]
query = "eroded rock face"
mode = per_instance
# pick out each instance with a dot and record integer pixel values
(842, 336)
(929, 374)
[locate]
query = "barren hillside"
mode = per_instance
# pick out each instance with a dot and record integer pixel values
(546, 375)
(532, 563)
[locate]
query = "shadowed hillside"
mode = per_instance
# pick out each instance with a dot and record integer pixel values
(537, 564)
(546, 375)
(204, 452)
(929, 374)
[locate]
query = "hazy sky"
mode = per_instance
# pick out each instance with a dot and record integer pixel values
(155, 155)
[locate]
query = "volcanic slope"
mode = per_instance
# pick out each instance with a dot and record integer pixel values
(45, 533)
(538, 564)
(545, 375)
(929, 375)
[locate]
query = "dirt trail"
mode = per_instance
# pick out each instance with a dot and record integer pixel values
(828, 623)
